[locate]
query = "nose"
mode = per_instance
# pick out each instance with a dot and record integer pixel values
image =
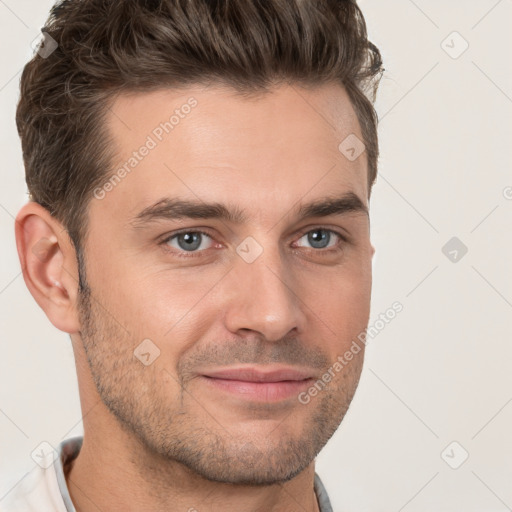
(264, 297)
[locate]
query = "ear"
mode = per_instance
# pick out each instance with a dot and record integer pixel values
(48, 262)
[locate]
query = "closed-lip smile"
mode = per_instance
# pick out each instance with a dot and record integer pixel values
(259, 383)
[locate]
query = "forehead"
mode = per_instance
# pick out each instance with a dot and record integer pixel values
(206, 142)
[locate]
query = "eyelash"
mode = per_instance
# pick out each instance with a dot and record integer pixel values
(185, 254)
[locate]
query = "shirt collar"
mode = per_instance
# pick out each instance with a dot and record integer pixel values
(68, 451)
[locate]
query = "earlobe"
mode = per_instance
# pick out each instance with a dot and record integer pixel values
(48, 264)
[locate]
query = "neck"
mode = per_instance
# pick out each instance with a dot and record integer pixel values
(116, 477)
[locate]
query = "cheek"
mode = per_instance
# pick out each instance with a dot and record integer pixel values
(350, 282)
(340, 302)
(171, 307)
(345, 310)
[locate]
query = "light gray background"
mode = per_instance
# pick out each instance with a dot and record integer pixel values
(441, 370)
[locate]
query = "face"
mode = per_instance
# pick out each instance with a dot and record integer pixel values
(206, 326)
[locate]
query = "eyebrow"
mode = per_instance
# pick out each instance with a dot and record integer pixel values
(174, 208)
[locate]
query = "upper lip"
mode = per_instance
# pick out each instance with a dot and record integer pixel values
(259, 374)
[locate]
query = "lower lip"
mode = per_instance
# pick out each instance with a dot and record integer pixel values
(260, 391)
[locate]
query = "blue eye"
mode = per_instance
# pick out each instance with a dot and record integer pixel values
(188, 241)
(193, 243)
(319, 238)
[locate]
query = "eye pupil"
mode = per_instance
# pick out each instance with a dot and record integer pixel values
(314, 239)
(192, 241)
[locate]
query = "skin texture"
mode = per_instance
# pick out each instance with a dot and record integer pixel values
(160, 436)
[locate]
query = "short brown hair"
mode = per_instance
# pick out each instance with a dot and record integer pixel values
(106, 47)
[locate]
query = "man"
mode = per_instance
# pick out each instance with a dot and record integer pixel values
(199, 175)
